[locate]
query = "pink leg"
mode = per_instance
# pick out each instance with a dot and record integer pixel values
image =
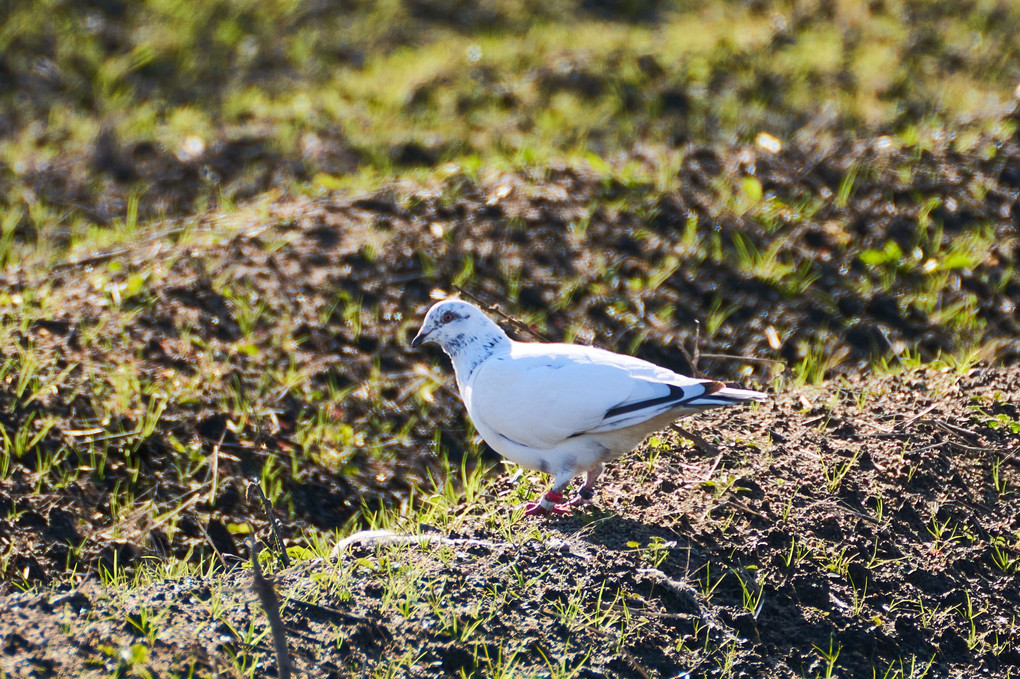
(552, 501)
(586, 492)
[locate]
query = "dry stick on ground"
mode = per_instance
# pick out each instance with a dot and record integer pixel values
(195, 497)
(208, 538)
(861, 515)
(388, 537)
(751, 359)
(271, 605)
(966, 434)
(692, 359)
(517, 323)
(334, 612)
(906, 423)
(216, 466)
(739, 505)
(376, 629)
(1012, 456)
(255, 488)
(689, 596)
(700, 443)
(111, 254)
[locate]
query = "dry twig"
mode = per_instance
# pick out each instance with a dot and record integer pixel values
(208, 538)
(517, 323)
(750, 359)
(255, 488)
(692, 359)
(388, 537)
(271, 605)
(699, 442)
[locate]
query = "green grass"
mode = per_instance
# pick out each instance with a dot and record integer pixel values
(437, 113)
(427, 587)
(510, 94)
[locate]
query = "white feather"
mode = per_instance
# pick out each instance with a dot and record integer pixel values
(561, 408)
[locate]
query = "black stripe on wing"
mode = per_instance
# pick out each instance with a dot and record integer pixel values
(677, 396)
(725, 400)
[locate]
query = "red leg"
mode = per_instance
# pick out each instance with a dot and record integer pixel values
(550, 503)
(583, 497)
(587, 491)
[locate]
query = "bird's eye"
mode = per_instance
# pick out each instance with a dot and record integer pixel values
(447, 317)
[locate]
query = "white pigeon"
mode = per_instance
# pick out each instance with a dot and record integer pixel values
(561, 409)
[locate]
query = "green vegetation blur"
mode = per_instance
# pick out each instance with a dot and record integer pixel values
(347, 88)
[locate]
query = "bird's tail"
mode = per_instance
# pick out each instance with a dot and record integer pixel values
(718, 394)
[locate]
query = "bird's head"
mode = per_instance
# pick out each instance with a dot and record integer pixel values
(450, 323)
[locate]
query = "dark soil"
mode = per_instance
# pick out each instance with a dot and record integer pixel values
(514, 237)
(921, 443)
(876, 512)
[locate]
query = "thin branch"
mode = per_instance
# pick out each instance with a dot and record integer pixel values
(715, 465)
(699, 442)
(517, 323)
(752, 359)
(388, 537)
(906, 423)
(119, 252)
(692, 359)
(697, 342)
(271, 605)
(216, 467)
(374, 625)
(689, 596)
(739, 505)
(208, 538)
(965, 434)
(861, 515)
(255, 488)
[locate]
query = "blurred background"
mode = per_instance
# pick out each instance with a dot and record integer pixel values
(182, 105)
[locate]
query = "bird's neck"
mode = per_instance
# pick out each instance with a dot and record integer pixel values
(468, 351)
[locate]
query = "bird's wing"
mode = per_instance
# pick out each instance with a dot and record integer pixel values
(540, 395)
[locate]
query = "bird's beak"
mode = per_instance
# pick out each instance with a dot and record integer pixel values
(419, 339)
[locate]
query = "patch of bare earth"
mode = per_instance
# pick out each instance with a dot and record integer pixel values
(634, 277)
(879, 512)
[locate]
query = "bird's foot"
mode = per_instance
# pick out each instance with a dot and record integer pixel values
(549, 504)
(583, 498)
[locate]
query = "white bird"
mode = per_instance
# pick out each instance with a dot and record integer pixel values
(561, 409)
